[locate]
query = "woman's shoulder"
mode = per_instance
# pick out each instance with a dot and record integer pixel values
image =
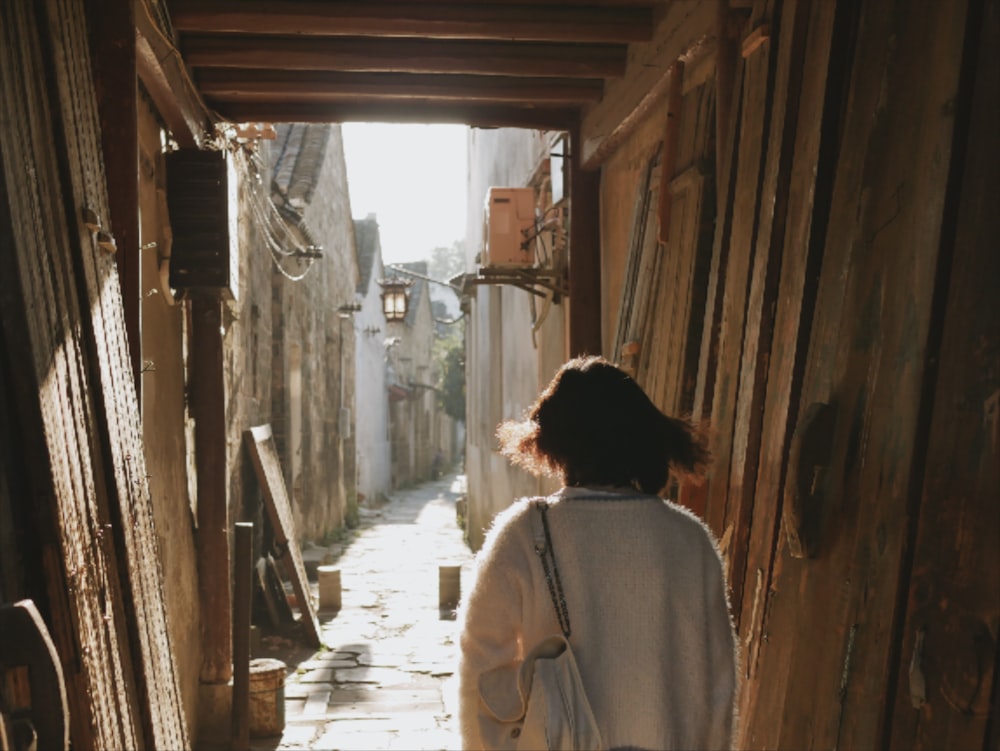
(690, 524)
(510, 523)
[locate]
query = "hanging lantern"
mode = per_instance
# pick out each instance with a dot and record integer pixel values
(394, 298)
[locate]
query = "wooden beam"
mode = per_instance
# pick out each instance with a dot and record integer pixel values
(407, 56)
(482, 116)
(162, 71)
(584, 256)
(208, 406)
(229, 85)
(243, 572)
(686, 32)
(547, 23)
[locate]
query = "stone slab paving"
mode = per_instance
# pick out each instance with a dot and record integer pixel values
(385, 677)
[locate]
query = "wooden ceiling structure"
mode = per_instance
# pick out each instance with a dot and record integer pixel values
(517, 63)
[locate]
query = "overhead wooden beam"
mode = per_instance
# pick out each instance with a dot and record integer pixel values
(542, 22)
(481, 116)
(686, 32)
(407, 56)
(230, 85)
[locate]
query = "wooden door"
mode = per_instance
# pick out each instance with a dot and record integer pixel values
(824, 662)
(63, 325)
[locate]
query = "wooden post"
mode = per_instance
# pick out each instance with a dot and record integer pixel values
(449, 587)
(208, 402)
(329, 587)
(242, 596)
(114, 64)
(584, 254)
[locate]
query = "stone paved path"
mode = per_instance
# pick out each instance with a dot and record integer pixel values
(385, 678)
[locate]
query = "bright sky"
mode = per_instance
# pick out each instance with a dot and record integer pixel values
(413, 178)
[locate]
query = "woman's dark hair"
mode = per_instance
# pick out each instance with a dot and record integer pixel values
(594, 425)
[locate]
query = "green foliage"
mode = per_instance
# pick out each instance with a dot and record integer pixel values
(449, 352)
(446, 262)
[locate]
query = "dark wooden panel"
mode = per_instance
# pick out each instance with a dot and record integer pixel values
(949, 640)
(810, 180)
(586, 23)
(406, 56)
(826, 661)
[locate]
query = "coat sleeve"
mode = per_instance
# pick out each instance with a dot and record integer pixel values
(489, 620)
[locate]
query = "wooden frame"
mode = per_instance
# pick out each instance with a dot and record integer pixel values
(260, 443)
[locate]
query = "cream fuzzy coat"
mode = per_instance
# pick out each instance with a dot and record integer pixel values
(650, 620)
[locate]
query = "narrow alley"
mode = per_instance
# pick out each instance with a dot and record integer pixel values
(385, 677)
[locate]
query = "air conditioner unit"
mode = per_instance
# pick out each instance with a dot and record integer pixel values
(202, 199)
(509, 213)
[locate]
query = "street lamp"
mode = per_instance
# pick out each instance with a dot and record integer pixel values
(394, 298)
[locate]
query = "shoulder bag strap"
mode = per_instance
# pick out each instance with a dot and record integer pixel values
(543, 547)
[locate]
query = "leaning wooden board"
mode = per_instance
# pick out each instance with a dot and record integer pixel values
(265, 459)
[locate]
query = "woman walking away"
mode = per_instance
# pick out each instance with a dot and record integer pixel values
(634, 582)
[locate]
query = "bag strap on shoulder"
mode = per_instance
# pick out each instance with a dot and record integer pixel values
(543, 547)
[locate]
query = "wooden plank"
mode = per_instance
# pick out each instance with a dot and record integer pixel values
(260, 443)
(541, 22)
(407, 56)
(272, 591)
(788, 51)
(668, 160)
(750, 160)
(837, 614)
(630, 280)
(948, 643)
(115, 82)
(681, 283)
(808, 203)
(237, 84)
(715, 291)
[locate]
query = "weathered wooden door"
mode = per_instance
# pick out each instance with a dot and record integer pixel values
(851, 645)
(77, 412)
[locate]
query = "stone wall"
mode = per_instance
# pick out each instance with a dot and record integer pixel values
(312, 344)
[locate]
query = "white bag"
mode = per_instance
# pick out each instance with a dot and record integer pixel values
(543, 705)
